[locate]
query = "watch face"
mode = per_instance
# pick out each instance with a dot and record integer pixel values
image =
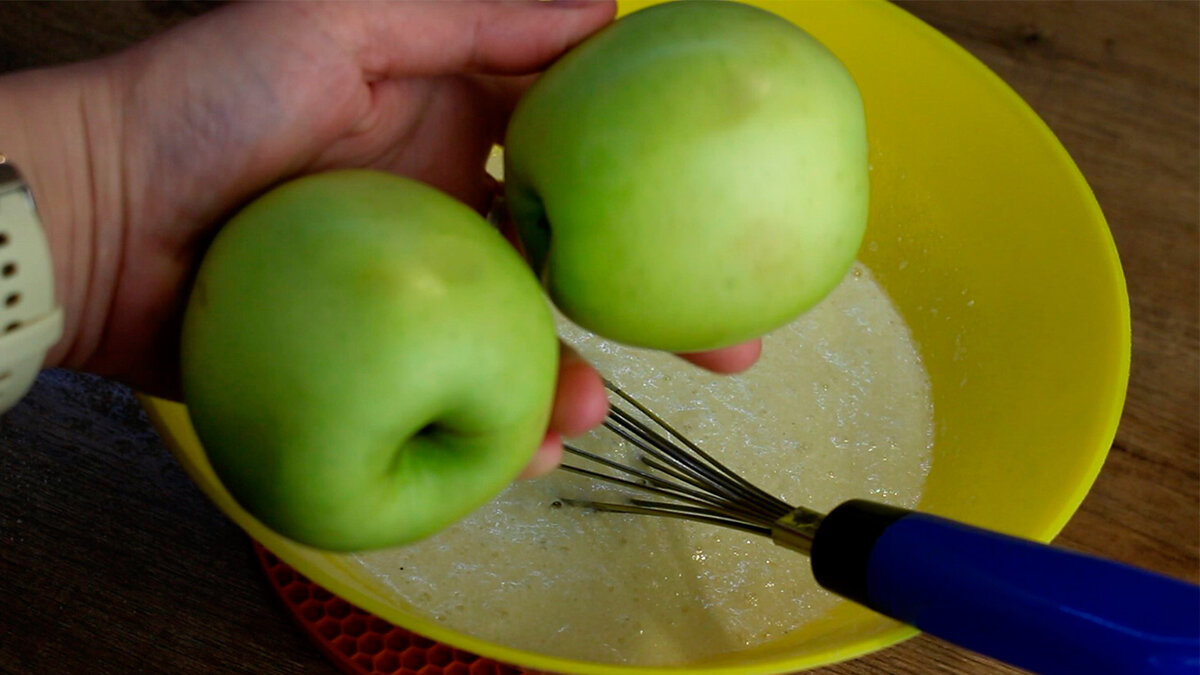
(11, 180)
(8, 173)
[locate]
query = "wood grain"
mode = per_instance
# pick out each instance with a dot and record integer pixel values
(112, 561)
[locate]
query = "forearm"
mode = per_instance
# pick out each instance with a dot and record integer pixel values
(57, 125)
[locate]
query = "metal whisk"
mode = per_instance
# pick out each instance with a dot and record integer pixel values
(1038, 607)
(704, 490)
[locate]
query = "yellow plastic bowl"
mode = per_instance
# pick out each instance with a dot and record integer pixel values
(991, 244)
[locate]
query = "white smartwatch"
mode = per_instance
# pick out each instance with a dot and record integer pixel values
(30, 319)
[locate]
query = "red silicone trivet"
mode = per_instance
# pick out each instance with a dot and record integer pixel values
(360, 643)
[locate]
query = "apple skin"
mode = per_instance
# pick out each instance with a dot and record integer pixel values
(365, 360)
(692, 176)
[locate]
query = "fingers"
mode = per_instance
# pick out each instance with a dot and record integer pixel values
(729, 360)
(579, 401)
(579, 404)
(546, 459)
(501, 38)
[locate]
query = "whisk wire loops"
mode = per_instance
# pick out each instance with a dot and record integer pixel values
(700, 488)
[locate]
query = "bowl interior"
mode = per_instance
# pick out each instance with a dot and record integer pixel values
(991, 244)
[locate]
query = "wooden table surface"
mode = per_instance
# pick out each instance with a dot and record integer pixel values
(112, 561)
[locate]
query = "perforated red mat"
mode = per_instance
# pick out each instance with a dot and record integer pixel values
(358, 642)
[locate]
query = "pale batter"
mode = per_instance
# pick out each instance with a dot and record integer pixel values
(838, 407)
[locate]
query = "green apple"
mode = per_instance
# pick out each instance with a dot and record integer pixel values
(691, 176)
(365, 360)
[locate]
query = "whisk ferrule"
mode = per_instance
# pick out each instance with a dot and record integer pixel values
(797, 529)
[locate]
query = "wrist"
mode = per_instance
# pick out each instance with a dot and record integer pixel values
(52, 125)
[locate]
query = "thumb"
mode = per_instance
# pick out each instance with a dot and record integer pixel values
(498, 38)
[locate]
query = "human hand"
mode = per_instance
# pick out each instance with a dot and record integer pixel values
(580, 402)
(138, 157)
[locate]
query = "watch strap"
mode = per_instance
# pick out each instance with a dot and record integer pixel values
(30, 319)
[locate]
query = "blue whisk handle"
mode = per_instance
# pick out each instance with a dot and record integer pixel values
(1038, 607)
